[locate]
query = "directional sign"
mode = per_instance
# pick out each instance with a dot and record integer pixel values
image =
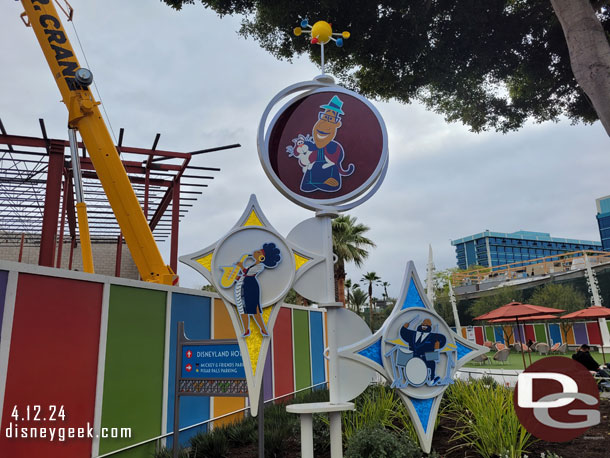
(213, 362)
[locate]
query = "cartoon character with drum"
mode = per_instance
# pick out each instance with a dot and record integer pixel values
(416, 353)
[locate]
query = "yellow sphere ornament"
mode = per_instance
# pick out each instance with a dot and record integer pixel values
(346, 35)
(298, 31)
(322, 31)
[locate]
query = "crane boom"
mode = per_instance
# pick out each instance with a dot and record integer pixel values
(84, 115)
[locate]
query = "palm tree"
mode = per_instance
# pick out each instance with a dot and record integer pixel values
(385, 285)
(371, 277)
(349, 245)
(359, 298)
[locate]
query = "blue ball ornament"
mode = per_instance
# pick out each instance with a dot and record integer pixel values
(304, 23)
(339, 42)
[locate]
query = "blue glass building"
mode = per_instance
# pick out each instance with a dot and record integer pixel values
(603, 220)
(491, 249)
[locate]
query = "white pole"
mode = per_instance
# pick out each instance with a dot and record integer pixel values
(322, 57)
(594, 288)
(456, 318)
(430, 277)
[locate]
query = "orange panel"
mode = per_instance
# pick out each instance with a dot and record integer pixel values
(223, 329)
(570, 338)
(508, 331)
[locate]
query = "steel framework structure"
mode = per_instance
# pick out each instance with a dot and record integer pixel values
(37, 204)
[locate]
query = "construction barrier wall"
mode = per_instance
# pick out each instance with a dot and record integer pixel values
(100, 351)
(578, 333)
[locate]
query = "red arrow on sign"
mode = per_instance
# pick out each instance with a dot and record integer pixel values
(189, 368)
(189, 353)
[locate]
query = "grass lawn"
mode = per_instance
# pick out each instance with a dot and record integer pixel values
(515, 362)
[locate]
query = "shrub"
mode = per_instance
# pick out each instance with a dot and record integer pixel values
(243, 432)
(485, 419)
(374, 441)
(214, 444)
(382, 406)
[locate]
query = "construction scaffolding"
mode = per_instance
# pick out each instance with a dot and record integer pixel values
(37, 205)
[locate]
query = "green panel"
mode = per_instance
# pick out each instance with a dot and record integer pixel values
(302, 362)
(489, 332)
(133, 377)
(540, 332)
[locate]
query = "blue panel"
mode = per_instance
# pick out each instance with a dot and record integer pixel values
(316, 329)
(413, 298)
(462, 350)
(195, 312)
(423, 408)
(555, 332)
(499, 334)
(373, 352)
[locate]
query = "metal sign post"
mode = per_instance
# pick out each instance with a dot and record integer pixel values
(214, 368)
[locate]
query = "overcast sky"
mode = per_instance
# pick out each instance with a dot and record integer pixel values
(190, 77)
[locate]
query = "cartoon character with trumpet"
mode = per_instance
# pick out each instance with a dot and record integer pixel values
(243, 274)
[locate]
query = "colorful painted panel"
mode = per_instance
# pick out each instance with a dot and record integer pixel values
(318, 374)
(223, 329)
(509, 333)
(478, 335)
(133, 377)
(540, 333)
(3, 280)
(580, 333)
(569, 338)
(489, 333)
(195, 312)
(593, 333)
(499, 334)
(529, 333)
(53, 363)
(555, 334)
(282, 353)
(302, 357)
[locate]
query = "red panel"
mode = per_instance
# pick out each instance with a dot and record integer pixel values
(478, 335)
(53, 362)
(594, 334)
(530, 333)
(282, 353)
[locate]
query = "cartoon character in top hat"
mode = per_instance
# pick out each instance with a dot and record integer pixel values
(325, 155)
(424, 344)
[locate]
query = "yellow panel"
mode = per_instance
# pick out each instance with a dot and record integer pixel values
(253, 220)
(508, 332)
(300, 260)
(206, 261)
(223, 329)
(255, 340)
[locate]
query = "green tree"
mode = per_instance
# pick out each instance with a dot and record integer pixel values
(489, 64)
(385, 285)
(497, 298)
(349, 245)
(371, 278)
(558, 296)
(209, 288)
(359, 299)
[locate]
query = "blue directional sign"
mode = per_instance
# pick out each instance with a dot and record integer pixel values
(212, 362)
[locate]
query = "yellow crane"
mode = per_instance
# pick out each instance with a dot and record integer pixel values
(84, 115)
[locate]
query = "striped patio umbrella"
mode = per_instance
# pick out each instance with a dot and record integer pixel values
(596, 311)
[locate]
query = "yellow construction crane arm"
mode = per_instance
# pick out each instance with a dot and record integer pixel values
(84, 115)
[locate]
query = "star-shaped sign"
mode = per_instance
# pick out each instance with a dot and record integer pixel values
(252, 267)
(417, 352)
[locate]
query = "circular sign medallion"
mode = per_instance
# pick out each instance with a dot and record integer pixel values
(325, 147)
(253, 260)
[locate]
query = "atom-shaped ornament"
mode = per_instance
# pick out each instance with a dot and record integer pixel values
(417, 352)
(321, 33)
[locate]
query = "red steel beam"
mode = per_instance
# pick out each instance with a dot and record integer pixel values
(51, 204)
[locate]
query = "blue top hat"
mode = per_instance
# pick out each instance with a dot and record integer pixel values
(335, 104)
